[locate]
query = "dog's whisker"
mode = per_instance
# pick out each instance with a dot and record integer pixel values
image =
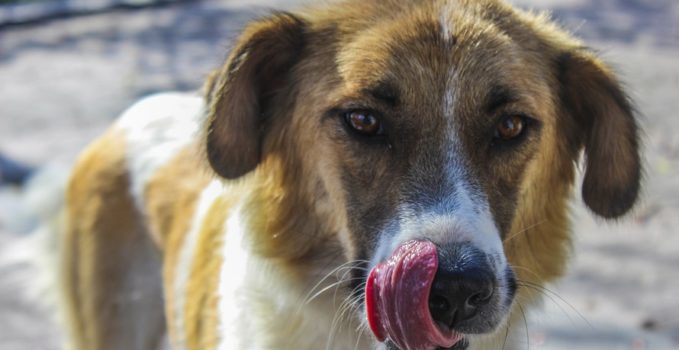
(524, 230)
(360, 330)
(354, 301)
(342, 278)
(338, 268)
(329, 275)
(327, 288)
(546, 294)
(525, 324)
(509, 326)
(551, 294)
(523, 268)
(346, 305)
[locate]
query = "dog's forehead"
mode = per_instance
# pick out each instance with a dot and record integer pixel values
(427, 53)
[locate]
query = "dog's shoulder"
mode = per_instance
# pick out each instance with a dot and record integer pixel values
(152, 154)
(157, 129)
(164, 160)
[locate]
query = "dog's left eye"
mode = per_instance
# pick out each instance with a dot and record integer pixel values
(364, 123)
(510, 127)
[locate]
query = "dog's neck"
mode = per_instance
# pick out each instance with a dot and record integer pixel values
(270, 303)
(280, 282)
(293, 229)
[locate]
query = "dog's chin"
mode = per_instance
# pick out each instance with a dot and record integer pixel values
(468, 331)
(461, 345)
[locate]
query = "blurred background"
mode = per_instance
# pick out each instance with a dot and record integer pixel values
(69, 67)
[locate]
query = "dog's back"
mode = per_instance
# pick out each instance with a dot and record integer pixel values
(130, 202)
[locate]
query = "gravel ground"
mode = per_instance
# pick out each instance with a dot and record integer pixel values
(64, 81)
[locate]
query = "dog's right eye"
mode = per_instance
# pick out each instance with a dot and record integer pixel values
(510, 127)
(364, 123)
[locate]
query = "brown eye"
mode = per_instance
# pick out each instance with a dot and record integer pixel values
(364, 123)
(510, 127)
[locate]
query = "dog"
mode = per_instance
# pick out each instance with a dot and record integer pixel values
(366, 174)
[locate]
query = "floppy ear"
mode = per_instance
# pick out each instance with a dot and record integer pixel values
(239, 96)
(608, 130)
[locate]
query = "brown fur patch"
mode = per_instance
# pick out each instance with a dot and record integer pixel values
(172, 192)
(609, 133)
(201, 309)
(171, 197)
(241, 95)
(111, 268)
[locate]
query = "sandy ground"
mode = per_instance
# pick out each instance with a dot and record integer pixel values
(63, 82)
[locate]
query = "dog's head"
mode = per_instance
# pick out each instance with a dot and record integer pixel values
(433, 141)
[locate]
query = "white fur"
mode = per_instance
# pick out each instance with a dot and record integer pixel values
(156, 129)
(471, 222)
(187, 254)
(232, 280)
(264, 306)
(444, 21)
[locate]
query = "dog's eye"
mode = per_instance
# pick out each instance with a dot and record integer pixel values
(364, 122)
(510, 127)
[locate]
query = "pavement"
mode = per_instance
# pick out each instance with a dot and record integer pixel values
(62, 82)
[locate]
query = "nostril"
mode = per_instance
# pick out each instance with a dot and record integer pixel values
(438, 303)
(440, 309)
(475, 300)
(480, 298)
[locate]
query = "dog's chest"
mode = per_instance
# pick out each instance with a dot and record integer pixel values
(264, 305)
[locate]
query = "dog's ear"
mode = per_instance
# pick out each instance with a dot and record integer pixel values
(605, 121)
(239, 95)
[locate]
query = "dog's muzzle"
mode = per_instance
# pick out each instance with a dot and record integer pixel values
(423, 298)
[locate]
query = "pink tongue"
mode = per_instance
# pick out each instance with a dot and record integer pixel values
(397, 299)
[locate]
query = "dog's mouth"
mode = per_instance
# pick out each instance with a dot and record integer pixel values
(397, 300)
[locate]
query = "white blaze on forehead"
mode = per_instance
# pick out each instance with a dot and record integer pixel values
(471, 220)
(448, 100)
(445, 19)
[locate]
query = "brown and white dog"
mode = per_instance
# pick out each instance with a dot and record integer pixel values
(370, 174)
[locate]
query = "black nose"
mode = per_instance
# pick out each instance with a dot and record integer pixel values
(459, 291)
